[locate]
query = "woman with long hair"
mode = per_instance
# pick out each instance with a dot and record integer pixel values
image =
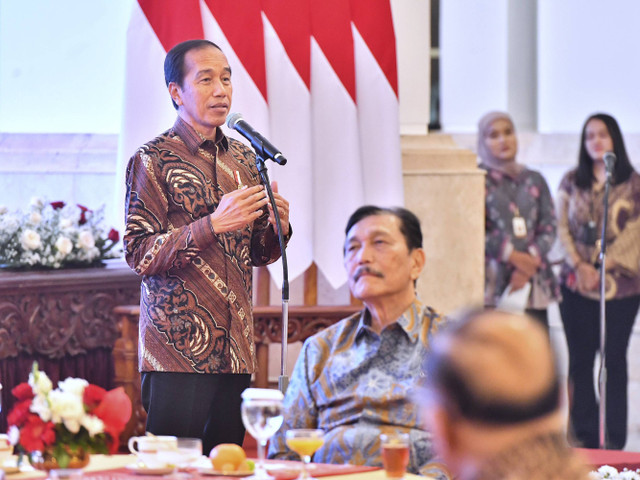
(580, 220)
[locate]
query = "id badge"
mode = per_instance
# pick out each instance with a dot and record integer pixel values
(519, 227)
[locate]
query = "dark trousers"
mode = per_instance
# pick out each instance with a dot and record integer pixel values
(195, 405)
(581, 320)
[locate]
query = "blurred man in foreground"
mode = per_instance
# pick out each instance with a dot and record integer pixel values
(354, 379)
(492, 401)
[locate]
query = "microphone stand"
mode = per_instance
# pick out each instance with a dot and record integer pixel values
(283, 380)
(602, 377)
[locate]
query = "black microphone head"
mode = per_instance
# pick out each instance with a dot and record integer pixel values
(233, 118)
(609, 158)
(609, 161)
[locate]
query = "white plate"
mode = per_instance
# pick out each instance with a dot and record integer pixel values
(142, 470)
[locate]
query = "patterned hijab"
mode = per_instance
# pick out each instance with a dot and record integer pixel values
(509, 167)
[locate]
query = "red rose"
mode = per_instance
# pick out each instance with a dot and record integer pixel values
(57, 205)
(83, 217)
(115, 412)
(23, 391)
(19, 413)
(92, 396)
(114, 236)
(35, 434)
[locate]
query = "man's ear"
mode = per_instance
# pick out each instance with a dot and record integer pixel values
(176, 93)
(418, 259)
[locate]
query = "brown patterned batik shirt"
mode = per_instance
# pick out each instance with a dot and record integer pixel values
(195, 304)
(577, 208)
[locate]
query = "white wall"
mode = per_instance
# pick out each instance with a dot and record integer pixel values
(550, 63)
(473, 61)
(588, 61)
(62, 65)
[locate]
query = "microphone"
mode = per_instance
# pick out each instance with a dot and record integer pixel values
(609, 162)
(261, 144)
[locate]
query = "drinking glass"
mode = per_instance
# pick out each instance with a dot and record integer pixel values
(183, 457)
(395, 454)
(305, 442)
(262, 417)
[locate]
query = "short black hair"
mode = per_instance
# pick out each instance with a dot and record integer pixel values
(461, 399)
(174, 61)
(409, 223)
(622, 168)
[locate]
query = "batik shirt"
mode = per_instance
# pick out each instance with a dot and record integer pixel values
(576, 209)
(195, 303)
(543, 457)
(355, 384)
(527, 195)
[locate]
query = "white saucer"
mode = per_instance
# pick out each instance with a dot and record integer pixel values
(143, 470)
(211, 471)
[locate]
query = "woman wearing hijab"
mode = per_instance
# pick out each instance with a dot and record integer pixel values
(520, 221)
(580, 219)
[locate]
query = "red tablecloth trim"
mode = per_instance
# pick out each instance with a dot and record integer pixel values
(614, 458)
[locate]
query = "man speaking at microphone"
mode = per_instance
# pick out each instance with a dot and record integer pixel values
(197, 221)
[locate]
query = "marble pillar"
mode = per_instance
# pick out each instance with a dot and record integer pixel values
(445, 188)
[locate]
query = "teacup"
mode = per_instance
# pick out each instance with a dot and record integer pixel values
(149, 448)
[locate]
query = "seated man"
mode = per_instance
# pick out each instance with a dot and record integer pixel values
(492, 401)
(354, 379)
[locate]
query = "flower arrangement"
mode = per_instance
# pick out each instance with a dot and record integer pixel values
(76, 415)
(54, 235)
(611, 473)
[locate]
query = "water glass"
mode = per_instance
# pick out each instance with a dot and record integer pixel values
(262, 417)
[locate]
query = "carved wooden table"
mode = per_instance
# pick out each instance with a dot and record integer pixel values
(304, 321)
(63, 319)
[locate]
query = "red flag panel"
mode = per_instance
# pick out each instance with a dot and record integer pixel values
(241, 22)
(292, 23)
(374, 21)
(331, 27)
(173, 21)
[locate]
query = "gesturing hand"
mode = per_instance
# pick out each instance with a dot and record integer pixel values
(239, 208)
(283, 210)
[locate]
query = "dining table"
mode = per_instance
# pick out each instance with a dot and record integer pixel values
(124, 467)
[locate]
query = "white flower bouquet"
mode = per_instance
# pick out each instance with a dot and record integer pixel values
(75, 415)
(54, 235)
(611, 473)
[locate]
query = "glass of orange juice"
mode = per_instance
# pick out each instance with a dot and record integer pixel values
(395, 454)
(305, 441)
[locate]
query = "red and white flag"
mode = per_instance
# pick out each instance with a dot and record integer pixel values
(317, 78)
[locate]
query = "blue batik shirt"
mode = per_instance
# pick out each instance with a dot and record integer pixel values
(355, 384)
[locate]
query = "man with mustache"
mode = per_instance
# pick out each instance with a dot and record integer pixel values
(198, 221)
(354, 379)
